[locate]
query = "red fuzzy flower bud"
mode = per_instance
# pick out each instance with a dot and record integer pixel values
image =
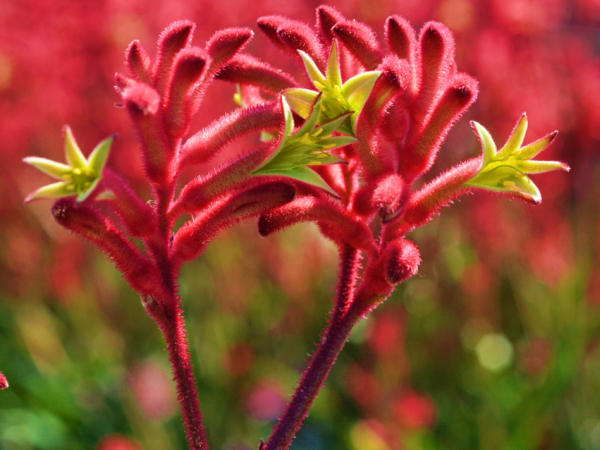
(225, 44)
(419, 154)
(361, 42)
(138, 62)
(400, 37)
(174, 38)
(193, 237)
(436, 62)
(402, 259)
(188, 70)
(327, 17)
(87, 221)
(208, 142)
(142, 103)
(246, 69)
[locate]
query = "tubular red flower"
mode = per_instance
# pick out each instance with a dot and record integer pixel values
(87, 221)
(188, 69)
(191, 240)
(208, 142)
(361, 42)
(395, 77)
(419, 154)
(339, 225)
(401, 38)
(3, 381)
(142, 103)
(291, 36)
(225, 44)
(327, 17)
(426, 203)
(246, 69)
(174, 38)
(139, 63)
(137, 215)
(201, 191)
(435, 63)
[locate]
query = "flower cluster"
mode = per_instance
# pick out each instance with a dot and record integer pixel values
(351, 156)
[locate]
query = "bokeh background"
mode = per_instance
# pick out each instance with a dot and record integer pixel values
(494, 345)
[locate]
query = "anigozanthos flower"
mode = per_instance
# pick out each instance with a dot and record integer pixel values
(309, 146)
(506, 170)
(79, 177)
(337, 98)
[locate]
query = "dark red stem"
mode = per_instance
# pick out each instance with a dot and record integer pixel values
(334, 338)
(183, 371)
(172, 323)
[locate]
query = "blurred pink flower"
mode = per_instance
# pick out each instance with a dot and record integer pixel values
(265, 401)
(116, 442)
(153, 389)
(415, 411)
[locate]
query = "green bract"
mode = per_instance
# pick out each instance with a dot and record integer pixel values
(337, 98)
(79, 177)
(506, 170)
(309, 146)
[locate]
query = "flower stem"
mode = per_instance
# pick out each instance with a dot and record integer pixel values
(338, 330)
(183, 371)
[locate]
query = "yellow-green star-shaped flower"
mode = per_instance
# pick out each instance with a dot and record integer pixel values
(506, 170)
(309, 146)
(79, 177)
(337, 98)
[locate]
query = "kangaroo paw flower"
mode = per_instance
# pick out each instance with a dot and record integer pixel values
(309, 146)
(337, 98)
(79, 177)
(507, 170)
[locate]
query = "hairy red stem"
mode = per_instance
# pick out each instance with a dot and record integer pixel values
(334, 338)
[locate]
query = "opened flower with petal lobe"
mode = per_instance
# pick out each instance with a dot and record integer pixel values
(337, 98)
(79, 177)
(507, 170)
(309, 146)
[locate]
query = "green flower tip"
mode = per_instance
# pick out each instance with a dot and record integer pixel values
(337, 98)
(506, 170)
(79, 177)
(309, 146)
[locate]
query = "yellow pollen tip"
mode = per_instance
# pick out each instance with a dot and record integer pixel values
(70, 187)
(509, 184)
(318, 85)
(323, 108)
(77, 171)
(318, 132)
(337, 89)
(328, 146)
